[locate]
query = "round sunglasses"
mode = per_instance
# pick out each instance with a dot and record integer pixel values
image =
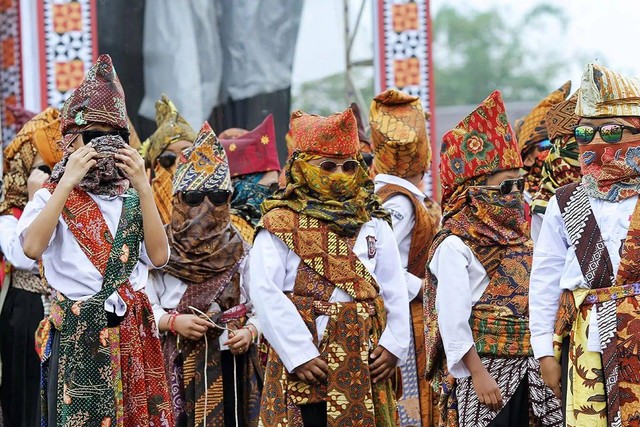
(506, 186)
(349, 167)
(196, 197)
(167, 159)
(610, 133)
(91, 134)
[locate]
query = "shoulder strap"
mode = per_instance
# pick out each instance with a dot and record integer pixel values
(423, 231)
(585, 236)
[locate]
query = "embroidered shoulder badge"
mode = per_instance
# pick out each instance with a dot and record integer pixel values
(371, 246)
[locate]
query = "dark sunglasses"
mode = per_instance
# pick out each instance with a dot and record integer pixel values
(271, 188)
(609, 133)
(506, 186)
(44, 168)
(368, 159)
(91, 134)
(544, 145)
(349, 167)
(196, 197)
(167, 159)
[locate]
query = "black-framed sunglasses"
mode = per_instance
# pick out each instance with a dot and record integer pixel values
(196, 197)
(610, 133)
(167, 159)
(44, 168)
(349, 167)
(271, 188)
(91, 134)
(506, 186)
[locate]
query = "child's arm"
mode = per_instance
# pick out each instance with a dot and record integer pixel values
(155, 238)
(37, 236)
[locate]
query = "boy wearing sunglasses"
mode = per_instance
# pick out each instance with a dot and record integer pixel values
(97, 238)
(402, 156)
(254, 166)
(534, 143)
(585, 272)
(478, 351)
(161, 151)
(28, 296)
(200, 298)
(328, 286)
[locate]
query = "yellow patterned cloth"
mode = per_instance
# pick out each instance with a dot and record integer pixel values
(532, 128)
(19, 156)
(162, 189)
(605, 93)
(399, 134)
(245, 228)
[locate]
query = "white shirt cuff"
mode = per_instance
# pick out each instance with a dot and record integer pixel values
(542, 345)
(388, 341)
(413, 285)
(301, 356)
(455, 351)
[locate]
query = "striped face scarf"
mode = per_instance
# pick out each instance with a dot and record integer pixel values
(105, 178)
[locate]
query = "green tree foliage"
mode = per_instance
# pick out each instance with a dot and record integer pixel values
(476, 52)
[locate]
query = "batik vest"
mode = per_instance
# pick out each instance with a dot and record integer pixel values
(352, 332)
(605, 388)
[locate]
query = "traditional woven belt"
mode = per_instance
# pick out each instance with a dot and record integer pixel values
(29, 282)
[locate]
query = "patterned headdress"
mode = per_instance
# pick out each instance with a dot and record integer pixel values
(365, 144)
(172, 127)
(253, 151)
(41, 135)
(333, 136)
(532, 128)
(481, 144)
(562, 118)
(19, 115)
(399, 134)
(204, 166)
(605, 93)
(98, 99)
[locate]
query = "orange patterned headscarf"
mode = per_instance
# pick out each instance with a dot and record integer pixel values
(41, 135)
(399, 134)
(333, 136)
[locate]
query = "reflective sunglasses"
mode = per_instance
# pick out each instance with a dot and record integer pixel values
(506, 186)
(544, 145)
(196, 197)
(91, 134)
(610, 133)
(167, 159)
(349, 167)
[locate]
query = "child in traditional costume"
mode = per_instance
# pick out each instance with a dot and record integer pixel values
(102, 362)
(586, 268)
(533, 140)
(328, 286)
(29, 159)
(478, 350)
(200, 298)
(161, 151)
(254, 167)
(402, 156)
(562, 166)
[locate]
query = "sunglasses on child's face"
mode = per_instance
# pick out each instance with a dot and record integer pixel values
(167, 159)
(195, 198)
(610, 133)
(506, 186)
(349, 167)
(91, 134)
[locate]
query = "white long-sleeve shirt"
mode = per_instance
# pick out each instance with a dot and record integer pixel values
(404, 219)
(10, 245)
(556, 268)
(461, 282)
(273, 271)
(67, 268)
(166, 291)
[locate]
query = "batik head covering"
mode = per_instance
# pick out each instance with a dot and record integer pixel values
(483, 143)
(204, 166)
(365, 144)
(346, 203)
(98, 99)
(561, 167)
(333, 136)
(203, 242)
(48, 139)
(605, 93)
(253, 151)
(531, 129)
(172, 127)
(399, 134)
(18, 116)
(610, 171)
(20, 154)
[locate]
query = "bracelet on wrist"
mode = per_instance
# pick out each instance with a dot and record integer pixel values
(172, 323)
(253, 335)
